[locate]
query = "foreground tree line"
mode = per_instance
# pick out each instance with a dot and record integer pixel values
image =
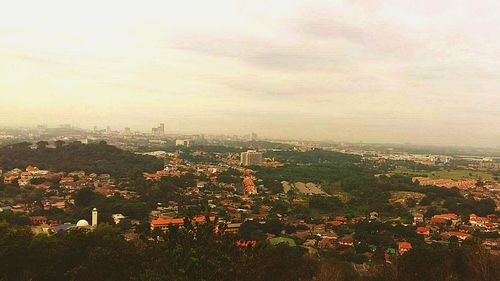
(199, 253)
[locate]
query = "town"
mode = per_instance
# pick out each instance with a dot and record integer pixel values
(362, 208)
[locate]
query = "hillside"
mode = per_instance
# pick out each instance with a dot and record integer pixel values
(95, 157)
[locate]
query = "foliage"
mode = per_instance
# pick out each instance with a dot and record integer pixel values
(92, 158)
(325, 203)
(230, 176)
(190, 253)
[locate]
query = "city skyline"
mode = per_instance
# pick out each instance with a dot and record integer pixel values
(383, 71)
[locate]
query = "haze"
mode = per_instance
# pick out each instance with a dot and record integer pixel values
(376, 71)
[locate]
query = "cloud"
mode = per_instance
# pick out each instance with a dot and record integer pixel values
(424, 71)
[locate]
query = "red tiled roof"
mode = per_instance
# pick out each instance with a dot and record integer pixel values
(177, 221)
(422, 230)
(439, 220)
(461, 235)
(31, 169)
(346, 240)
(336, 223)
(449, 216)
(404, 245)
(245, 244)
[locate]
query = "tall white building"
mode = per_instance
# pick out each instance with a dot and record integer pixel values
(94, 217)
(251, 158)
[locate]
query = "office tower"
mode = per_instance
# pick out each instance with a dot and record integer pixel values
(159, 131)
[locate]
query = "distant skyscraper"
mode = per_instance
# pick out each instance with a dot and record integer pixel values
(251, 158)
(158, 131)
(127, 131)
(254, 136)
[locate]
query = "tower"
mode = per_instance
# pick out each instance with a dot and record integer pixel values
(94, 217)
(161, 129)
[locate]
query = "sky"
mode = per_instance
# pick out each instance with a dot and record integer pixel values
(424, 72)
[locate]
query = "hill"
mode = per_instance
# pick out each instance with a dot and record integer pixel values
(95, 157)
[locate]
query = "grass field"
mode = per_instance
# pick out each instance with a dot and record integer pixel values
(445, 174)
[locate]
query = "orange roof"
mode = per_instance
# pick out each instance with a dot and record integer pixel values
(31, 169)
(449, 216)
(404, 245)
(247, 181)
(249, 184)
(341, 218)
(439, 220)
(167, 221)
(244, 244)
(461, 235)
(331, 235)
(337, 223)
(422, 229)
(202, 218)
(178, 221)
(347, 240)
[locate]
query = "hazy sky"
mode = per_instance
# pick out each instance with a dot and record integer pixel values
(361, 70)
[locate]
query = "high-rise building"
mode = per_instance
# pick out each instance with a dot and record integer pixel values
(159, 131)
(254, 137)
(251, 158)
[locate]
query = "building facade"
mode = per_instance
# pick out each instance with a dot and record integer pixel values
(251, 158)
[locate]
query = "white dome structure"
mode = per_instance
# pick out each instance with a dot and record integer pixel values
(82, 223)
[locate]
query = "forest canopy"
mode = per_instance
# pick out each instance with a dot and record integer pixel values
(92, 158)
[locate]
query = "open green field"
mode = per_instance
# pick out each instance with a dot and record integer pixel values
(445, 174)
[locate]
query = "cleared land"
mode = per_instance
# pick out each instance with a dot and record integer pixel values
(304, 188)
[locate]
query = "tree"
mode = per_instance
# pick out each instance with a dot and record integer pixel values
(426, 201)
(273, 226)
(479, 264)
(14, 245)
(325, 203)
(59, 144)
(92, 158)
(410, 202)
(485, 207)
(84, 197)
(42, 145)
(251, 230)
(336, 272)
